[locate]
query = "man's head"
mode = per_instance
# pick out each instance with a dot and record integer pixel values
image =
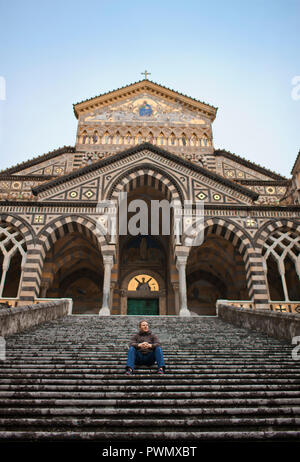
(143, 325)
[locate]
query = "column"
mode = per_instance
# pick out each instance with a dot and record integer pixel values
(177, 300)
(181, 265)
(281, 269)
(123, 301)
(5, 267)
(44, 287)
(108, 264)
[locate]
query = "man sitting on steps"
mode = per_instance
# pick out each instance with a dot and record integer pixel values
(144, 349)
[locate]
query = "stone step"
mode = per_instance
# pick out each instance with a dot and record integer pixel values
(135, 381)
(115, 424)
(152, 435)
(133, 412)
(288, 367)
(138, 394)
(148, 422)
(148, 401)
(147, 388)
(65, 380)
(142, 375)
(117, 358)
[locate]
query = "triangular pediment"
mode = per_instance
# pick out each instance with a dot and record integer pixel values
(162, 99)
(95, 182)
(146, 107)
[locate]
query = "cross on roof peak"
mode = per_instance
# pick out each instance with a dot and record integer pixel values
(146, 73)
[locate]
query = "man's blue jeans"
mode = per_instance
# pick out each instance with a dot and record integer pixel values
(136, 357)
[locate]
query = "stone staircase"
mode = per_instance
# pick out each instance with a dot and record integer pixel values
(65, 380)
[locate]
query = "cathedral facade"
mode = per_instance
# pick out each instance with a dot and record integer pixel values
(61, 215)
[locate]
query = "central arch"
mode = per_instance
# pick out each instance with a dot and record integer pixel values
(152, 256)
(148, 175)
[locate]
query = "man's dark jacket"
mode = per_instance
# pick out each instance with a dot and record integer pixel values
(141, 337)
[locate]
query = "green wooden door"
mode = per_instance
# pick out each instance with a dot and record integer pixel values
(143, 306)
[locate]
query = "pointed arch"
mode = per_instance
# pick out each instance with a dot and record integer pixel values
(280, 246)
(275, 225)
(84, 138)
(128, 138)
(117, 138)
(47, 237)
(204, 140)
(95, 137)
(139, 138)
(194, 140)
(13, 253)
(183, 140)
(172, 139)
(106, 138)
(150, 138)
(254, 266)
(161, 139)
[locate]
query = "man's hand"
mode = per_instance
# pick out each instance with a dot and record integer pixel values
(145, 345)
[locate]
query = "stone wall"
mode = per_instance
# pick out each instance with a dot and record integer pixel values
(13, 320)
(283, 326)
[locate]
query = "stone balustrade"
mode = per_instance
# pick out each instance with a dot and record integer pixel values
(18, 318)
(280, 325)
(280, 306)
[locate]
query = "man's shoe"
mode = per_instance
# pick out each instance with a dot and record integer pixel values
(161, 371)
(129, 372)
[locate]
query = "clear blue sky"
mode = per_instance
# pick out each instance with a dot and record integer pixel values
(239, 56)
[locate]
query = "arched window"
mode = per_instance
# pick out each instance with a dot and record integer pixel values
(204, 140)
(173, 139)
(13, 257)
(161, 139)
(84, 138)
(106, 138)
(151, 138)
(117, 138)
(128, 138)
(281, 253)
(95, 137)
(183, 140)
(194, 140)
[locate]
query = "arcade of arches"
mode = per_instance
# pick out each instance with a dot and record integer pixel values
(155, 144)
(74, 268)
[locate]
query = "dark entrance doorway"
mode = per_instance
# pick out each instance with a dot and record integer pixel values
(142, 306)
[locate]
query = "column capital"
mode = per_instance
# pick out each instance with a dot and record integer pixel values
(182, 250)
(181, 260)
(109, 249)
(123, 293)
(108, 259)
